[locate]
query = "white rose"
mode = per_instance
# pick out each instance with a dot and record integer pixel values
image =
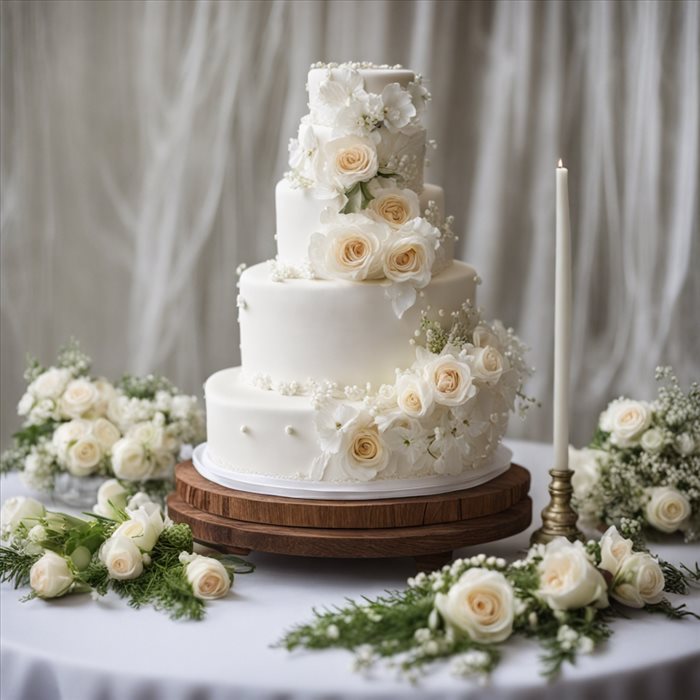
(106, 393)
(450, 380)
(585, 465)
(141, 529)
(487, 364)
(568, 580)
(614, 550)
(122, 557)
(409, 259)
(17, 510)
(626, 420)
(414, 396)
(105, 432)
(481, 603)
(348, 248)
(79, 398)
(208, 577)
(684, 444)
(146, 433)
(394, 205)
(68, 433)
(25, 404)
(365, 452)
(667, 508)
(84, 456)
(111, 497)
(652, 440)
(350, 159)
(639, 582)
(129, 460)
(50, 384)
(50, 576)
(483, 336)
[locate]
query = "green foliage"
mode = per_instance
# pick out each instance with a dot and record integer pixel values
(15, 565)
(145, 387)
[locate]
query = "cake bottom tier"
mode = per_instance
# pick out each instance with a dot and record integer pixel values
(252, 431)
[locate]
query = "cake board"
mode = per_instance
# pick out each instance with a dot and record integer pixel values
(427, 528)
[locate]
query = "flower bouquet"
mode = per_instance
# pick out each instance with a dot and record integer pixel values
(642, 469)
(76, 425)
(127, 546)
(563, 595)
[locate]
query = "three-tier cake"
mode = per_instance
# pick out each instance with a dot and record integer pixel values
(365, 363)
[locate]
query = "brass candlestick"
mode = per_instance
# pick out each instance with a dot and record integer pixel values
(558, 518)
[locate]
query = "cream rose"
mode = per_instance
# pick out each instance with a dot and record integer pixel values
(626, 421)
(111, 497)
(68, 433)
(129, 460)
(568, 580)
(106, 393)
(50, 576)
(50, 384)
(351, 159)
(614, 550)
(365, 453)
(19, 510)
(105, 432)
(585, 465)
(122, 557)
(409, 259)
(450, 380)
(487, 364)
(207, 576)
(414, 396)
(84, 456)
(639, 582)
(667, 508)
(480, 603)
(394, 206)
(141, 529)
(79, 398)
(484, 336)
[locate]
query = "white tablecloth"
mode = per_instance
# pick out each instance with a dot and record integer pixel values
(75, 648)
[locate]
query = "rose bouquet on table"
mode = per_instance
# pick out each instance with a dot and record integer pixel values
(128, 547)
(563, 595)
(82, 425)
(642, 470)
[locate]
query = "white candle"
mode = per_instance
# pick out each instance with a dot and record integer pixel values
(562, 322)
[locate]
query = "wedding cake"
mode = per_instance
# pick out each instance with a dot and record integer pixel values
(364, 358)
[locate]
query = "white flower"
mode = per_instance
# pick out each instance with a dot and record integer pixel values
(333, 422)
(208, 577)
(111, 496)
(450, 379)
(480, 603)
(667, 508)
(340, 87)
(50, 384)
(639, 582)
(25, 404)
(407, 440)
(414, 395)
(84, 456)
(105, 432)
(487, 364)
(69, 433)
(684, 444)
(163, 463)
(348, 248)
(146, 433)
(129, 460)
(364, 454)
(360, 117)
(143, 529)
(349, 160)
(614, 550)
(585, 465)
(393, 205)
(79, 398)
(122, 557)
(398, 107)
(19, 510)
(652, 440)
(483, 336)
(626, 421)
(37, 534)
(568, 580)
(50, 576)
(303, 151)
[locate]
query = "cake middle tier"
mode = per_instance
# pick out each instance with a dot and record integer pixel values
(333, 330)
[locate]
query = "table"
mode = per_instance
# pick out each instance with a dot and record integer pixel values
(77, 649)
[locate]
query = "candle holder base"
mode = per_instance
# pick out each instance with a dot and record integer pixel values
(558, 518)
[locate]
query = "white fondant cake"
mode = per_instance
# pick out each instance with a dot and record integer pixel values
(364, 358)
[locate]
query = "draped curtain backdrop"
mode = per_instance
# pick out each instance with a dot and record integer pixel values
(141, 142)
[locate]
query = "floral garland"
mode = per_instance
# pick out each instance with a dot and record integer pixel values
(447, 412)
(563, 595)
(130, 548)
(87, 426)
(643, 466)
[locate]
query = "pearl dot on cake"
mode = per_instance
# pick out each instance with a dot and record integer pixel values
(289, 430)
(245, 430)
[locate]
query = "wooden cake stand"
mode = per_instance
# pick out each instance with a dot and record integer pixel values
(426, 528)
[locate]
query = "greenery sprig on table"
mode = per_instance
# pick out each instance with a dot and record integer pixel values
(564, 595)
(133, 551)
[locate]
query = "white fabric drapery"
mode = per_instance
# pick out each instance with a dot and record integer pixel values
(141, 142)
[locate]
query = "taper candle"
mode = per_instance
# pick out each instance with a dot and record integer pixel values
(562, 321)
